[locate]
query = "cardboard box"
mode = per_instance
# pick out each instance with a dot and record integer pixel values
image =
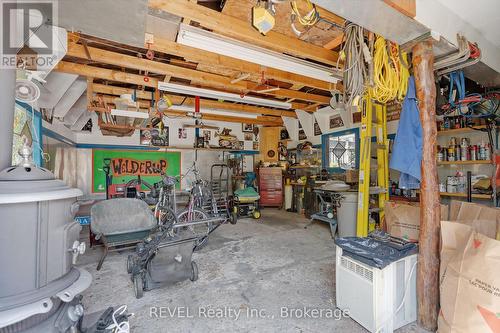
(402, 219)
(352, 176)
(484, 219)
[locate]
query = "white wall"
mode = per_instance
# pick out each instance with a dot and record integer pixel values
(173, 124)
(205, 159)
(478, 21)
(392, 127)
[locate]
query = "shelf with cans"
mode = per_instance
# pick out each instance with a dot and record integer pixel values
(466, 158)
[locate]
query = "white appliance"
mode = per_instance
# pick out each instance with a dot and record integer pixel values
(378, 299)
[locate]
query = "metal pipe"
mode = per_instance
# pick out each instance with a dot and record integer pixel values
(469, 186)
(7, 108)
(187, 224)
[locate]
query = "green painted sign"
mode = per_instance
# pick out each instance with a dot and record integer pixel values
(128, 164)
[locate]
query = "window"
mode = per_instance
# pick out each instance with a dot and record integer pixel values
(340, 150)
(26, 125)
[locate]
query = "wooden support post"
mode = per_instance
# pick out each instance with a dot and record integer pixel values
(430, 213)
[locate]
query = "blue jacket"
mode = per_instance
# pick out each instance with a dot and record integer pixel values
(407, 149)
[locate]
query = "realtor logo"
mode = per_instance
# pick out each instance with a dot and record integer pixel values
(27, 29)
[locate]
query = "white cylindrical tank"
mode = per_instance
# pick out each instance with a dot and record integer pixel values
(347, 214)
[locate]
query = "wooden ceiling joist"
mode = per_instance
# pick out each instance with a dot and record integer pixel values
(206, 79)
(117, 91)
(213, 59)
(105, 74)
(241, 30)
(204, 103)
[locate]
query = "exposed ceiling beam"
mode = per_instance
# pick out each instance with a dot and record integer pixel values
(261, 120)
(242, 30)
(104, 74)
(117, 91)
(108, 99)
(204, 103)
(213, 59)
(334, 43)
(206, 79)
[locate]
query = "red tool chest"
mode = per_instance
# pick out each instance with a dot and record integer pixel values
(271, 187)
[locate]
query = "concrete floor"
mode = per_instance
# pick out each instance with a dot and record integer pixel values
(254, 267)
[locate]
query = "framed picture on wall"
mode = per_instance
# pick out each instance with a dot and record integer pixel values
(207, 135)
(336, 121)
(317, 130)
(154, 137)
(145, 137)
(248, 128)
(182, 133)
(248, 136)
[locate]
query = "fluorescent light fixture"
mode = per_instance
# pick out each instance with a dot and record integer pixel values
(212, 111)
(212, 42)
(220, 95)
(131, 114)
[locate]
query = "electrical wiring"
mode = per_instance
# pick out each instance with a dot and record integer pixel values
(309, 19)
(391, 73)
(354, 71)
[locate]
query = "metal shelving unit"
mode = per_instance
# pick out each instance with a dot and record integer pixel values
(465, 164)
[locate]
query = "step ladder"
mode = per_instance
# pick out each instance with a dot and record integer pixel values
(373, 116)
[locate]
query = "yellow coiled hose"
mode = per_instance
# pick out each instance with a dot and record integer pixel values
(390, 71)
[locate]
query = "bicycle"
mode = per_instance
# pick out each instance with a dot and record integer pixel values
(198, 196)
(166, 206)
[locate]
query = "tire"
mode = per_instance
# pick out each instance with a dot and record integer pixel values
(233, 218)
(256, 214)
(130, 263)
(194, 271)
(194, 215)
(167, 217)
(138, 286)
(201, 243)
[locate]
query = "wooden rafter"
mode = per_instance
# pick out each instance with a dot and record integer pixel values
(205, 103)
(213, 59)
(241, 30)
(202, 78)
(334, 43)
(262, 120)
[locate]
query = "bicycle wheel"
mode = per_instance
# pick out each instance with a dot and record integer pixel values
(166, 217)
(193, 215)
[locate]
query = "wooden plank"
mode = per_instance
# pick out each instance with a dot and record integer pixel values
(118, 59)
(104, 74)
(110, 100)
(259, 121)
(90, 93)
(407, 7)
(205, 103)
(269, 138)
(202, 78)
(334, 43)
(209, 58)
(113, 90)
(318, 34)
(430, 210)
(241, 30)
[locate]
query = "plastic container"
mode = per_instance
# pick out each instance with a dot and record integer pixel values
(347, 214)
